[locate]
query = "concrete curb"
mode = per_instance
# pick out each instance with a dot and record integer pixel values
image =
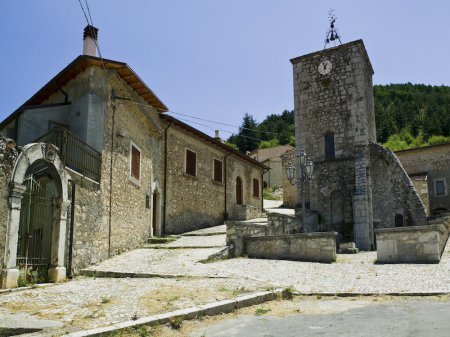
(117, 274)
(40, 285)
(210, 309)
(149, 246)
(354, 294)
(205, 234)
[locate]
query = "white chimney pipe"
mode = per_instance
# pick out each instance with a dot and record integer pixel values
(90, 40)
(216, 134)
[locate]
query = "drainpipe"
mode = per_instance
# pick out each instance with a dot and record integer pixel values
(111, 181)
(163, 229)
(71, 227)
(262, 188)
(225, 215)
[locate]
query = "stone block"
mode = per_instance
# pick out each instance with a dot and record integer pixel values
(57, 274)
(9, 278)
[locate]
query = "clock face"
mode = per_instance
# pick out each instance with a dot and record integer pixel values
(325, 67)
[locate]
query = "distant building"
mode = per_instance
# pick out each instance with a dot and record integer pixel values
(429, 169)
(271, 157)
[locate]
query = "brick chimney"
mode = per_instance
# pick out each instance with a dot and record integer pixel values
(90, 40)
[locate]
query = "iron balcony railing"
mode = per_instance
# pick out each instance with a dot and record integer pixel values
(74, 153)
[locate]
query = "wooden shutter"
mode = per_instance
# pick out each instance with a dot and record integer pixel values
(239, 191)
(191, 163)
(135, 163)
(255, 187)
(218, 170)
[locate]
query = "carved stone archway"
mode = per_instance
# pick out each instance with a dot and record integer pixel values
(30, 154)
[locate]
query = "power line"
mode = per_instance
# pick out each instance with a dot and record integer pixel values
(207, 120)
(207, 126)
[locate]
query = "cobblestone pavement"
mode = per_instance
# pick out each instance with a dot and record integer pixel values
(92, 302)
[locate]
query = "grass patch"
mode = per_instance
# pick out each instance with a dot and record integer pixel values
(288, 293)
(262, 311)
(105, 299)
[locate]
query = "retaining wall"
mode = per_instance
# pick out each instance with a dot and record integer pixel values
(316, 247)
(416, 244)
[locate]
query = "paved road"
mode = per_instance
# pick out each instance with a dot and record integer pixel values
(418, 317)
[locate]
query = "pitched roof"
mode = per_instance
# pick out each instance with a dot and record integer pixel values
(264, 154)
(214, 141)
(79, 65)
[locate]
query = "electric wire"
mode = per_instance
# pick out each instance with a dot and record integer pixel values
(91, 23)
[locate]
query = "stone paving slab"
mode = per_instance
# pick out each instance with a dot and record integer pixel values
(356, 273)
(161, 262)
(199, 241)
(216, 230)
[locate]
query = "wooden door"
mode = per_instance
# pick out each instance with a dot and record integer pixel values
(239, 191)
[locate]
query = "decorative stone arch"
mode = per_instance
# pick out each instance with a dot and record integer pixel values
(156, 229)
(30, 154)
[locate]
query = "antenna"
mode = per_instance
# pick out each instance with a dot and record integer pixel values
(332, 33)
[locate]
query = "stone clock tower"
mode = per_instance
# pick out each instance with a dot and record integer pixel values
(334, 124)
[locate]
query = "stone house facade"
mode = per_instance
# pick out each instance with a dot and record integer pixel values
(272, 158)
(209, 194)
(120, 170)
(429, 169)
(335, 125)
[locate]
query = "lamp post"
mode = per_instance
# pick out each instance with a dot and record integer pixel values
(306, 172)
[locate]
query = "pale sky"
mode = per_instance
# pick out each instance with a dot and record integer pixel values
(218, 59)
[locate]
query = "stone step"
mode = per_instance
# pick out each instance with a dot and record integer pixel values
(160, 240)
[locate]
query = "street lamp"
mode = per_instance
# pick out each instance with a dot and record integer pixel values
(306, 172)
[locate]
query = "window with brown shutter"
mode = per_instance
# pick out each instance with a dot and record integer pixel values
(135, 163)
(218, 170)
(191, 163)
(256, 187)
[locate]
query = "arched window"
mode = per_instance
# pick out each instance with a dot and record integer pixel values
(329, 146)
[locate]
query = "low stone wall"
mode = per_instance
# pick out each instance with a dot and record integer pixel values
(277, 224)
(277, 239)
(315, 247)
(416, 244)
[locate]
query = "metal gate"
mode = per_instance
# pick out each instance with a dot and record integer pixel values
(35, 229)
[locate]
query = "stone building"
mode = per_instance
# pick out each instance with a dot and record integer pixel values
(357, 184)
(429, 169)
(99, 169)
(271, 157)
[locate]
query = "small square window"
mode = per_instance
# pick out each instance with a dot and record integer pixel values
(256, 187)
(191, 163)
(218, 171)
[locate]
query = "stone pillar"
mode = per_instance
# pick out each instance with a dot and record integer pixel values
(10, 274)
(362, 207)
(57, 273)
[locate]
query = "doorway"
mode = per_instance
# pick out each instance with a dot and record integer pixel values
(156, 214)
(34, 244)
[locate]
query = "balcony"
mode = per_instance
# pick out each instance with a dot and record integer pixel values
(74, 153)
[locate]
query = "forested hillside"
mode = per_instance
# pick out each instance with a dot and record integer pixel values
(407, 116)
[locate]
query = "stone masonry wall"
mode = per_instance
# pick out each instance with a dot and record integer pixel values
(133, 124)
(421, 244)
(90, 240)
(340, 102)
(8, 156)
(392, 190)
(315, 247)
(329, 177)
(435, 161)
(198, 201)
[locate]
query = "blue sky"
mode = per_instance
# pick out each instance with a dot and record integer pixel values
(219, 59)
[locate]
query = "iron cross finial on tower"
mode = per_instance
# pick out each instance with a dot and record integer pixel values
(332, 32)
